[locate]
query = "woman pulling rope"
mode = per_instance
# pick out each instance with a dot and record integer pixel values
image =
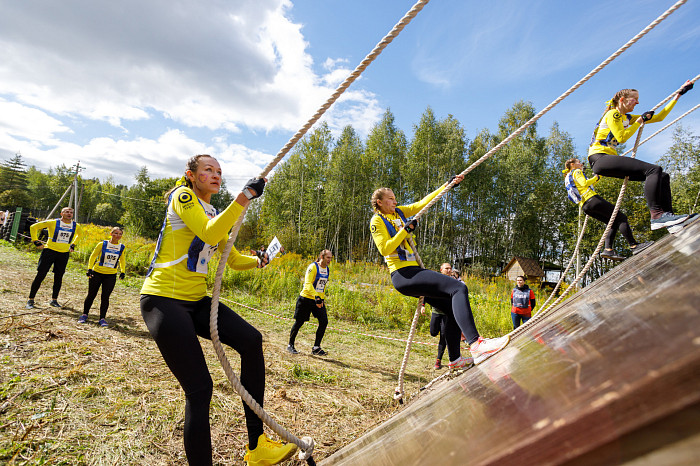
(615, 127)
(391, 227)
(175, 307)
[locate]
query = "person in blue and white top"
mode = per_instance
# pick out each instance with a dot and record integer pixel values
(102, 271)
(312, 300)
(63, 234)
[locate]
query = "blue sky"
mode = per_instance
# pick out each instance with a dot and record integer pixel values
(121, 85)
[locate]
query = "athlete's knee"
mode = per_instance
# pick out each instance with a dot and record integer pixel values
(201, 394)
(654, 170)
(323, 321)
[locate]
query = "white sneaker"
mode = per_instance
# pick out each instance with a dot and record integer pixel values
(483, 348)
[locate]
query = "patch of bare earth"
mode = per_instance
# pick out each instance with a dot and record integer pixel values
(82, 394)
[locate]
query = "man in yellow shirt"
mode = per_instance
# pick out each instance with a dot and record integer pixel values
(312, 300)
(63, 234)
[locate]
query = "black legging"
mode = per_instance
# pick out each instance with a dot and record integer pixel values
(657, 183)
(445, 293)
(602, 210)
(304, 308)
(438, 326)
(49, 257)
(107, 281)
(174, 325)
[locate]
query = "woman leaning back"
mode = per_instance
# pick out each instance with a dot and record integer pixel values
(615, 127)
(390, 230)
(175, 307)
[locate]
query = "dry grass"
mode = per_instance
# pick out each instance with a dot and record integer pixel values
(81, 394)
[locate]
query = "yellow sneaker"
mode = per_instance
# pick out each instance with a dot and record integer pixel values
(268, 452)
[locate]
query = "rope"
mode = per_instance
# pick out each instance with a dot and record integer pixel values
(306, 444)
(329, 327)
(532, 120)
(545, 311)
(398, 394)
(578, 242)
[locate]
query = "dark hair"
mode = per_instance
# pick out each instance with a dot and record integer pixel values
(568, 165)
(192, 165)
(521, 276)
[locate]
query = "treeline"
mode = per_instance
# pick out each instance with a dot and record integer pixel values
(512, 204)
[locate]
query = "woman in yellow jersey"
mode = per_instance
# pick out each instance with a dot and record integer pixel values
(390, 228)
(580, 190)
(312, 300)
(175, 307)
(615, 127)
(102, 271)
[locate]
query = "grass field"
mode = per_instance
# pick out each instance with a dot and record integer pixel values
(81, 394)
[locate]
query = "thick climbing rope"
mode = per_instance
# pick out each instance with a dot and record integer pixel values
(578, 242)
(306, 444)
(545, 311)
(399, 392)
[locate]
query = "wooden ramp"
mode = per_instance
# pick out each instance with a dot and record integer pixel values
(611, 377)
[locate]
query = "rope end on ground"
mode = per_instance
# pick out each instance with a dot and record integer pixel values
(398, 395)
(307, 453)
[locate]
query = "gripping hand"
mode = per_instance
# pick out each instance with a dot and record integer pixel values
(411, 224)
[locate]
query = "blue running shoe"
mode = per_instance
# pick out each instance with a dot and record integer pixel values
(82, 319)
(667, 219)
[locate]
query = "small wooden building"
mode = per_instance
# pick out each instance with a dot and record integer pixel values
(529, 268)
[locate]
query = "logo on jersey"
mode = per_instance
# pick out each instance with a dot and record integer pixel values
(184, 197)
(373, 228)
(617, 115)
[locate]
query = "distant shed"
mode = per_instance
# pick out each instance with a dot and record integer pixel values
(529, 268)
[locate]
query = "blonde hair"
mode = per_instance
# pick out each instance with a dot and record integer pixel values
(115, 229)
(618, 95)
(570, 162)
(379, 194)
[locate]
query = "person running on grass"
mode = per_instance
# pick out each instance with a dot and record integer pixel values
(63, 234)
(102, 271)
(580, 191)
(615, 127)
(312, 300)
(175, 307)
(390, 227)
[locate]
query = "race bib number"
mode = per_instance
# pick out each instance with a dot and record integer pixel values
(63, 236)
(321, 285)
(111, 260)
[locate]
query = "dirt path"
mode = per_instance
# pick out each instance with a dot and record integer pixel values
(81, 394)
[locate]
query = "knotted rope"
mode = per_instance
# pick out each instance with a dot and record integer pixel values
(306, 444)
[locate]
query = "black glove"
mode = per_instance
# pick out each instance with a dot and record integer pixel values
(121, 276)
(254, 188)
(37, 243)
(646, 116)
(411, 224)
(319, 300)
(452, 179)
(685, 88)
(72, 247)
(90, 273)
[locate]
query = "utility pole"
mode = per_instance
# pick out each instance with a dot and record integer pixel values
(76, 197)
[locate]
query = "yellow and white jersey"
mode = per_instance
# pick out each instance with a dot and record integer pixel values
(191, 233)
(394, 245)
(106, 257)
(61, 235)
(616, 128)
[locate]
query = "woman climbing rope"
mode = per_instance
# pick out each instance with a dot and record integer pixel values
(175, 307)
(102, 271)
(391, 227)
(615, 127)
(580, 191)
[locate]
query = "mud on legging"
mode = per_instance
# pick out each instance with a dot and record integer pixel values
(175, 325)
(445, 293)
(49, 257)
(602, 210)
(107, 281)
(657, 183)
